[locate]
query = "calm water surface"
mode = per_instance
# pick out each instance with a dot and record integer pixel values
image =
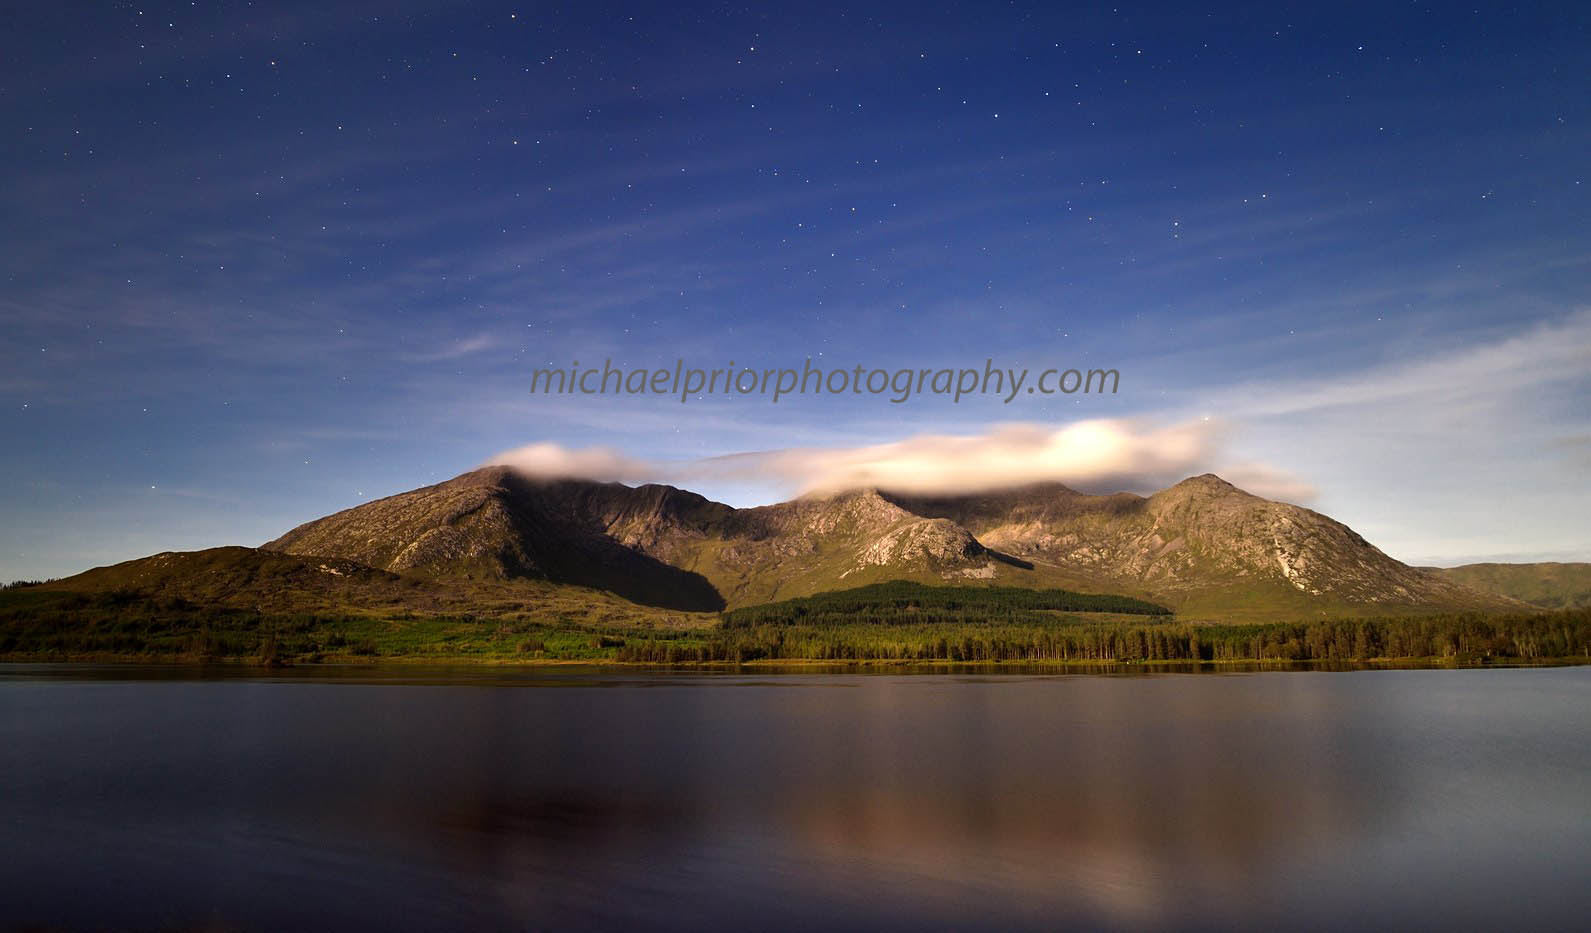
(411, 800)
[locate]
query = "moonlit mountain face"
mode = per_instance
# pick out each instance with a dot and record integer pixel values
(1200, 546)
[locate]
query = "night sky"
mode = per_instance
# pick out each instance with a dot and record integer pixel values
(266, 261)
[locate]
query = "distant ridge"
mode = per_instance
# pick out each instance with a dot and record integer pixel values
(1549, 585)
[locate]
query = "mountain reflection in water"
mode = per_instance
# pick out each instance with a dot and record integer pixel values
(783, 801)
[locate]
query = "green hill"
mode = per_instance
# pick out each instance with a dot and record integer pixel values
(1548, 585)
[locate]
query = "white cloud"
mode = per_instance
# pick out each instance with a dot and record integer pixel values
(1096, 455)
(553, 461)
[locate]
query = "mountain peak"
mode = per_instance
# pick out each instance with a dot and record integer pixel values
(489, 475)
(1206, 481)
(1204, 488)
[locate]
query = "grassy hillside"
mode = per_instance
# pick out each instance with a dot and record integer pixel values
(1548, 585)
(38, 624)
(271, 583)
(244, 603)
(270, 607)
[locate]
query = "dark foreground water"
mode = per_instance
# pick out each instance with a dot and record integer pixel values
(406, 800)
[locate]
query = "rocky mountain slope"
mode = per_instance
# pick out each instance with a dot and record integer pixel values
(1202, 546)
(652, 544)
(491, 525)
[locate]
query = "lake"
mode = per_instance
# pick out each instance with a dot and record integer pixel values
(562, 798)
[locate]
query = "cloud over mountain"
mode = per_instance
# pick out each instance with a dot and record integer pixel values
(1095, 454)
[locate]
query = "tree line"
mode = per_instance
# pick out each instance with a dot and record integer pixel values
(1459, 637)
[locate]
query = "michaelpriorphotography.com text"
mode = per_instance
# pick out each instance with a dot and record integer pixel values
(899, 384)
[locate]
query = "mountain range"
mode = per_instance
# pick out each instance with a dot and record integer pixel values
(1202, 547)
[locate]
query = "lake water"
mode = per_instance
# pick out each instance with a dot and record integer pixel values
(556, 798)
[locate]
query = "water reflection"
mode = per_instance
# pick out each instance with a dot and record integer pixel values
(791, 801)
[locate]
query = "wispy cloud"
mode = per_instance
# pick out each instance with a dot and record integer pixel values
(457, 349)
(1546, 353)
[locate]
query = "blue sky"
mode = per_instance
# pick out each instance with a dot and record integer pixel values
(266, 262)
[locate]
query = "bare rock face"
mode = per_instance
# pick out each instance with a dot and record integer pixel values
(819, 543)
(1203, 533)
(664, 546)
(934, 541)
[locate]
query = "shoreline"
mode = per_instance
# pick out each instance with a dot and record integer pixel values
(354, 662)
